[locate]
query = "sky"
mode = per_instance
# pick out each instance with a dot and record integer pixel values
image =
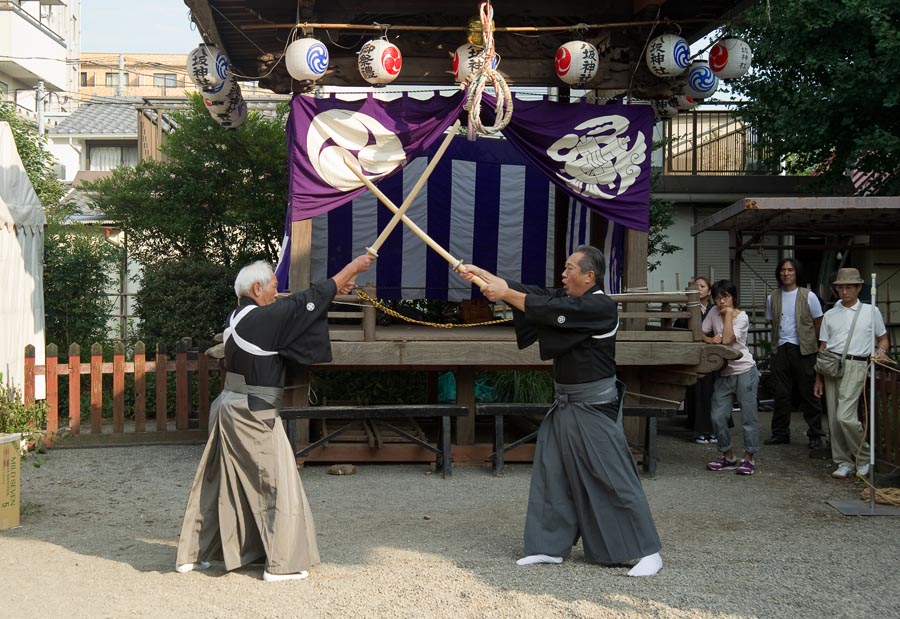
(158, 27)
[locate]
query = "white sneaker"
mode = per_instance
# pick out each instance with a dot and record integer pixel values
(863, 471)
(648, 566)
(282, 577)
(842, 472)
(184, 568)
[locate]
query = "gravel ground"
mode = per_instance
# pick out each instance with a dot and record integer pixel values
(100, 528)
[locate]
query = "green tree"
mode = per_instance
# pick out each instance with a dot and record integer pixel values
(219, 198)
(662, 217)
(824, 86)
(35, 157)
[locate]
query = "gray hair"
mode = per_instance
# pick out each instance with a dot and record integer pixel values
(259, 272)
(592, 259)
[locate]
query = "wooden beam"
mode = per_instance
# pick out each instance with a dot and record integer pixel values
(202, 16)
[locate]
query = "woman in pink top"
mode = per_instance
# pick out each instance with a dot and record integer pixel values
(738, 379)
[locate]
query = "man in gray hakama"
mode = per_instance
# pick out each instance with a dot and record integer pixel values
(584, 482)
(247, 501)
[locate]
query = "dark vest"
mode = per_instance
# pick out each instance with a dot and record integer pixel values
(806, 330)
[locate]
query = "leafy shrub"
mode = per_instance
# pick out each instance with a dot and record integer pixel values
(183, 298)
(29, 421)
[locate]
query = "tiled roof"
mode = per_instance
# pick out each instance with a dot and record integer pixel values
(113, 119)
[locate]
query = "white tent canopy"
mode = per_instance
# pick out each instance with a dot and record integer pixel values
(21, 267)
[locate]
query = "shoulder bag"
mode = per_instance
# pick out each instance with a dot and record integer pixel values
(831, 364)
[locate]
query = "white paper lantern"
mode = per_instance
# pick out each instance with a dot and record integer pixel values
(663, 108)
(576, 62)
(469, 59)
(236, 117)
(730, 58)
(222, 97)
(682, 103)
(702, 82)
(668, 55)
(306, 59)
(379, 61)
(207, 65)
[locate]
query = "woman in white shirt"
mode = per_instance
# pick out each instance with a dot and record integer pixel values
(738, 379)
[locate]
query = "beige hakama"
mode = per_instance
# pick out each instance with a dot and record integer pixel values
(247, 501)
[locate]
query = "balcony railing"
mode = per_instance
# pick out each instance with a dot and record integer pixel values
(715, 142)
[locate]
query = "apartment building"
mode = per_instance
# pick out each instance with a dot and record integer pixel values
(39, 55)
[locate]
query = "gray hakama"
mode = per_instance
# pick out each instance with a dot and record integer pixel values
(247, 501)
(585, 483)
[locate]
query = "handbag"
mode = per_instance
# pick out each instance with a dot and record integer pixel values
(831, 364)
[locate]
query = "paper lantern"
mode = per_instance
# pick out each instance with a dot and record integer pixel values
(702, 82)
(682, 103)
(306, 59)
(207, 65)
(469, 59)
(730, 58)
(668, 55)
(236, 117)
(576, 62)
(220, 98)
(379, 61)
(663, 108)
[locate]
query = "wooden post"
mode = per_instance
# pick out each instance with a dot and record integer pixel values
(52, 376)
(693, 306)
(162, 360)
(96, 388)
(368, 319)
(465, 395)
(140, 388)
(119, 387)
(203, 390)
(28, 396)
(182, 397)
(634, 275)
(75, 388)
(296, 391)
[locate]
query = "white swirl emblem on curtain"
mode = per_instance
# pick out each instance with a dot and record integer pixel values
(600, 160)
(336, 135)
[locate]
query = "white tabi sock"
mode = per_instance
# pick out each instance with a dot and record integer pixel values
(648, 566)
(184, 568)
(534, 559)
(282, 577)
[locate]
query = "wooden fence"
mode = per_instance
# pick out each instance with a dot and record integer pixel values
(187, 364)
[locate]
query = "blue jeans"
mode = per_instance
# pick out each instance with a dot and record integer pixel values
(727, 388)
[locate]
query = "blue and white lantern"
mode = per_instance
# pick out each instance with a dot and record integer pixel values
(236, 117)
(702, 82)
(218, 98)
(207, 65)
(306, 59)
(668, 55)
(576, 62)
(730, 58)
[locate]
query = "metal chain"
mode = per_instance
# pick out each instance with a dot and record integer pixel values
(362, 296)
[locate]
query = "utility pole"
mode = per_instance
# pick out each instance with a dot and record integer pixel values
(119, 90)
(39, 107)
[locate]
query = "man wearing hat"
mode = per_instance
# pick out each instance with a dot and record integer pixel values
(863, 325)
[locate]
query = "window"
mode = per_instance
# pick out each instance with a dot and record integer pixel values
(165, 80)
(111, 157)
(4, 88)
(84, 80)
(112, 79)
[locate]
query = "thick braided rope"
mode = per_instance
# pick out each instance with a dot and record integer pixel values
(477, 81)
(362, 296)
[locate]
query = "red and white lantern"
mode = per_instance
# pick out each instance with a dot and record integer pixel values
(306, 59)
(379, 61)
(468, 60)
(576, 62)
(207, 65)
(730, 58)
(664, 108)
(683, 103)
(668, 55)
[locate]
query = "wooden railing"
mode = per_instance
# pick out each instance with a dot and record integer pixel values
(157, 365)
(887, 416)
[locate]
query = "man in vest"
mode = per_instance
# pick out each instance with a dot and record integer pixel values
(795, 314)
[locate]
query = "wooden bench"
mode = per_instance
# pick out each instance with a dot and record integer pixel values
(353, 414)
(502, 410)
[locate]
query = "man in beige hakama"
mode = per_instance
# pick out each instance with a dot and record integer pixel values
(247, 501)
